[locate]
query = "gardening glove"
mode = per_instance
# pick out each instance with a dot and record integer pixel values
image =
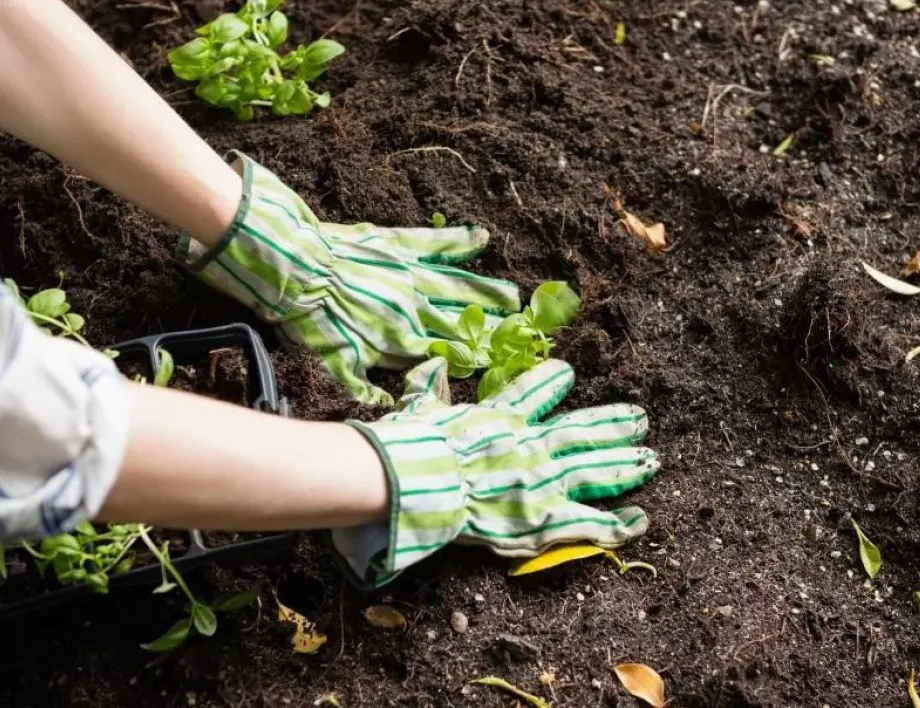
(358, 296)
(492, 474)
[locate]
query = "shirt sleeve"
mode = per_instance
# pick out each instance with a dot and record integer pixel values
(64, 417)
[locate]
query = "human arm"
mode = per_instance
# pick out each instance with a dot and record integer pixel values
(195, 462)
(64, 90)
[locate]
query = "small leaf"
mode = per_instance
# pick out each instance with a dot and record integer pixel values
(912, 690)
(165, 586)
(165, 368)
(237, 600)
(227, 27)
(619, 36)
(460, 360)
(50, 303)
(277, 30)
(784, 146)
(868, 552)
(306, 639)
(74, 322)
(556, 556)
(384, 617)
(642, 682)
(204, 619)
(496, 682)
(173, 637)
(322, 51)
(472, 322)
(492, 382)
(4, 571)
(822, 59)
(903, 5)
(653, 236)
(438, 220)
(554, 304)
(893, 284)
(328, 700)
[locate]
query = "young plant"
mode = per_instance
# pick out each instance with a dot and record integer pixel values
(518, 343)
(50, 310)
(235, 61)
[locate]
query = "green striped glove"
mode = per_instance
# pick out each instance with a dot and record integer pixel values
(491, 474)
(359, 296)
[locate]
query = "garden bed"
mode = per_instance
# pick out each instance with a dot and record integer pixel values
(771, 367)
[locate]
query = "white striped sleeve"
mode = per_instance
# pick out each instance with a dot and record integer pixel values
(64, 417)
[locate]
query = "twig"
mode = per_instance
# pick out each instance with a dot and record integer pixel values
(712, 103)
(514, 191)
(344, 18)
(22, 228)
(463, 64)
(784, 40)
(436, 148)
(79, 213)
(488, 73)
(396, 34)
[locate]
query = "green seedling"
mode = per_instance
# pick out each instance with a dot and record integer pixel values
(438, 220)
(518, 343)
(165, 368)
(50, 310)
(235, 62)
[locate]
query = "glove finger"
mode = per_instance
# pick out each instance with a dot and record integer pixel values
(425, 384)
(345, 355)
(455, 244)
(564, 524)
(454, 287)
(537, 391)
(601, 474)
(591, 429)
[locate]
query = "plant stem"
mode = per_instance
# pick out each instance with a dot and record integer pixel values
(163, 558)
(60, 325)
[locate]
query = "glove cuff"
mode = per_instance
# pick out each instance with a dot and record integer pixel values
(271, 251)
(427, 501)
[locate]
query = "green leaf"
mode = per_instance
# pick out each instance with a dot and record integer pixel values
(171, 638)
(438, 220)
(472, 322)
(62, 543)
(190, 52)
(165, 368)
(4, 571)
(50, 303)
(228, 27)
(163, 587)
(322, 100)
(301, 101)
(322, 51)
(204, 619)
(277, 29)
(74, 322)
(554, 304)
(868, 552)
(492, 382)
(784, 146)
(86, 528)
(236, 600)
(245, 113)
(510, 338)
(460, 360)
(98, 582)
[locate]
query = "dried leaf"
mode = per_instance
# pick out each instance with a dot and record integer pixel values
(556, 556)
(642, 682)
(306, 639)
(868, 552)
(619, 37)
(912, 353)
(652, 235)
(912, 266)
(546, 678)
(385, 617)
(893, 284)
(328, 700)
(903, 5)
(822, 59)
(912, 690)
(496, 682)
(784, 146)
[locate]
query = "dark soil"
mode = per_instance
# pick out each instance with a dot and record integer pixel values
(772, 368)
(221, 373)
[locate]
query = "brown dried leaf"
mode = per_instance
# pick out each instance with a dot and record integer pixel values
(642, 682)
(912, 266)
(384, 617)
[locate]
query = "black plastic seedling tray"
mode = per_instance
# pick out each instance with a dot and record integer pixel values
(263, 396)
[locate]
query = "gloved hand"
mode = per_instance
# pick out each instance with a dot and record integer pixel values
(491, 474)
(359, 296)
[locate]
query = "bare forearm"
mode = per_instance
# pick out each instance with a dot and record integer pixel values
(64, 90)
(196, 462)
